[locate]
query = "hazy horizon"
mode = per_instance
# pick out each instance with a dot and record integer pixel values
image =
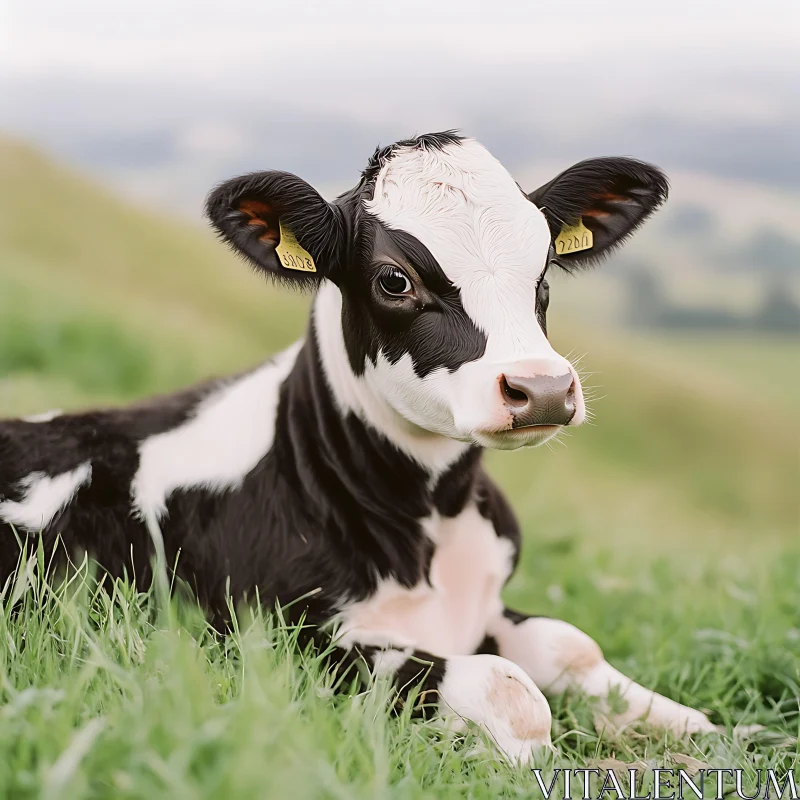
(162, 100)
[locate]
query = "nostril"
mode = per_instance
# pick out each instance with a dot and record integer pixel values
(569, 400)
(513, 397)
(540, 399)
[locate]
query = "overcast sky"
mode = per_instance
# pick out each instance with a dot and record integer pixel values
(149, 86)
(210, 39)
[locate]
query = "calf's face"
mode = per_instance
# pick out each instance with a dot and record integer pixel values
(434, 276)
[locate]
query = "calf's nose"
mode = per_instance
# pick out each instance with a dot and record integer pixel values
(539, 400)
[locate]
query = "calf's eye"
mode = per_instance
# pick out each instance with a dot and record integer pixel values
(395, 282)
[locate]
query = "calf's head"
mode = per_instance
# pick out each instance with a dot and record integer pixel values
(432, 279)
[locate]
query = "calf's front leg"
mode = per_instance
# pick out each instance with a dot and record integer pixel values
(558, 657)
(487, 690)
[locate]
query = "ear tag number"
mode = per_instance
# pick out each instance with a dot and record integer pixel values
(574, 238)
(291, 253)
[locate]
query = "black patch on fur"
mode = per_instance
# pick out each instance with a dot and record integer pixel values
(456, 487)
(435, 330)
(488, 647)
(424, 673)
(492, 505)
(542, 303)
(516, 616)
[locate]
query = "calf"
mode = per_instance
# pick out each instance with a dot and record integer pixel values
(344, 476)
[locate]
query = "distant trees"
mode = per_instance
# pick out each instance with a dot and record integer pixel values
(768, 252)
(779, 310)
(770, 255)
(649, 307)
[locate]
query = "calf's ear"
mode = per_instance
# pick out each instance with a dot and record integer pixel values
(280, 224)
(593, 206)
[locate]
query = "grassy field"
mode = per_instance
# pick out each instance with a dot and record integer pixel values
(668, 530)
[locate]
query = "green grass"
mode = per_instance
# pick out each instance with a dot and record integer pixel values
(668, 530)
(104, 695)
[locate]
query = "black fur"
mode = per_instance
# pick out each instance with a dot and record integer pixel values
(517, 617)
(613, 197)
(542, 303)
(279, 196)
(435, 329)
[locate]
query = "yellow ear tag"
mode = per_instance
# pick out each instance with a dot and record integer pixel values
(574, 238)
(291, 253)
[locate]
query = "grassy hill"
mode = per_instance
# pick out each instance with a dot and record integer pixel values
(667, 530)
(116, 301)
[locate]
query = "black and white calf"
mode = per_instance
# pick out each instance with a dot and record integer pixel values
(348, 468)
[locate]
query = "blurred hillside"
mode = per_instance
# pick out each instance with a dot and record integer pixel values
(695, 443)
(97, 299)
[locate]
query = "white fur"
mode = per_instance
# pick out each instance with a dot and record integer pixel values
(558, 656)
(227, 436)
(44, 497)
(387, 662)
(492, 243)
(450, 614)
(45, 416)
(497, 695)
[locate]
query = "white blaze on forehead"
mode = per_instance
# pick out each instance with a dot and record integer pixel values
(488, 238)
(44, 496)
